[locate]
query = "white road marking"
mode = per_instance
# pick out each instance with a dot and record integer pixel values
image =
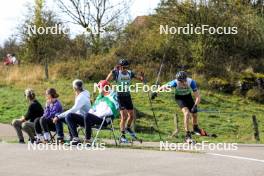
(237, 157)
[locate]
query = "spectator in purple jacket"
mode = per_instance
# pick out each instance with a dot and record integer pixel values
(45, 124)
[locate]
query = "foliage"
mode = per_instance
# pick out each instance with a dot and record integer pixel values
(211, 55)
(220, 85)
(256, 94)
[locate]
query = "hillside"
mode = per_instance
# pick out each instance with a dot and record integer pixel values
(232, 124)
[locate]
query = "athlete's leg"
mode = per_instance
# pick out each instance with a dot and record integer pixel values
(187, 116)
(130, 114)
(196, 128)
(123, 115)
(194, 119)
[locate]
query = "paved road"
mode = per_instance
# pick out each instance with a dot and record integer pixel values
(17, 160)
(7, 132)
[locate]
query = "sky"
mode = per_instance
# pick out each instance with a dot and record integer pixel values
(13, 11)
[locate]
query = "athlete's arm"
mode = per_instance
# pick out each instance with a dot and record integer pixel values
(196, 92)
(109, 76)
(197, 97)
(164, 87)
(167, 86)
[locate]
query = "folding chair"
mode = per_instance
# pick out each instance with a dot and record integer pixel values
(98, 128)
(109, 121)
(53, 136)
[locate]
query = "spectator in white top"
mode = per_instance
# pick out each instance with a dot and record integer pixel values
(13, 59)
(79, 110)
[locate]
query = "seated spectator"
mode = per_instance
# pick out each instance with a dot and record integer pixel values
(106, 104)
(77, 112)
(44, 124)
(26, 123)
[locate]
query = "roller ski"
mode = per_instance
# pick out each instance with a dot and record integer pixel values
(124, 140)
(201, 132)
(133, 135)
(188, 138)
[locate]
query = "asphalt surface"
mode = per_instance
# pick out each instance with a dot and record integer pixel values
(22, 159)
(17, 159)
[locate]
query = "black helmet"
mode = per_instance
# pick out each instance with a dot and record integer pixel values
(123, 62)
(181, 76)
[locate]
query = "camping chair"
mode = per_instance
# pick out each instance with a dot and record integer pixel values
(98, 128)
(53, 136)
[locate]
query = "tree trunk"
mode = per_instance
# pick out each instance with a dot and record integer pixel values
(46, 69)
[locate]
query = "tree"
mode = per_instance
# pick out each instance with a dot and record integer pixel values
(95, 16)
(42, 47)
(212, 55)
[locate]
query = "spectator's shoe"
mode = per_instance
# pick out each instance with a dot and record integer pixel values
(38, 141)
(32, 141)
(60, 140)
(75, 141)
(47, 142)
(88, 142)
(21, 142)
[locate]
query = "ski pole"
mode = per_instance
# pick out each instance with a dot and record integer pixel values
(151, 106)
(208, 111)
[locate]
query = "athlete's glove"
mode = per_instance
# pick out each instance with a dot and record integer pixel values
(194, 109)
(153, 95)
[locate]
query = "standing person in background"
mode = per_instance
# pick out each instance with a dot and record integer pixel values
(8, 60)
(13, 59)
(26, 123)
(45, 124)
(123, 77)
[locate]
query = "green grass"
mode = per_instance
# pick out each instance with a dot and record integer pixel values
(232, 124)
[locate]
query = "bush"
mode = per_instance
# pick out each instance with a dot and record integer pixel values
(220, 85)
(256, 94)
(248, 80)
(94, 68)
